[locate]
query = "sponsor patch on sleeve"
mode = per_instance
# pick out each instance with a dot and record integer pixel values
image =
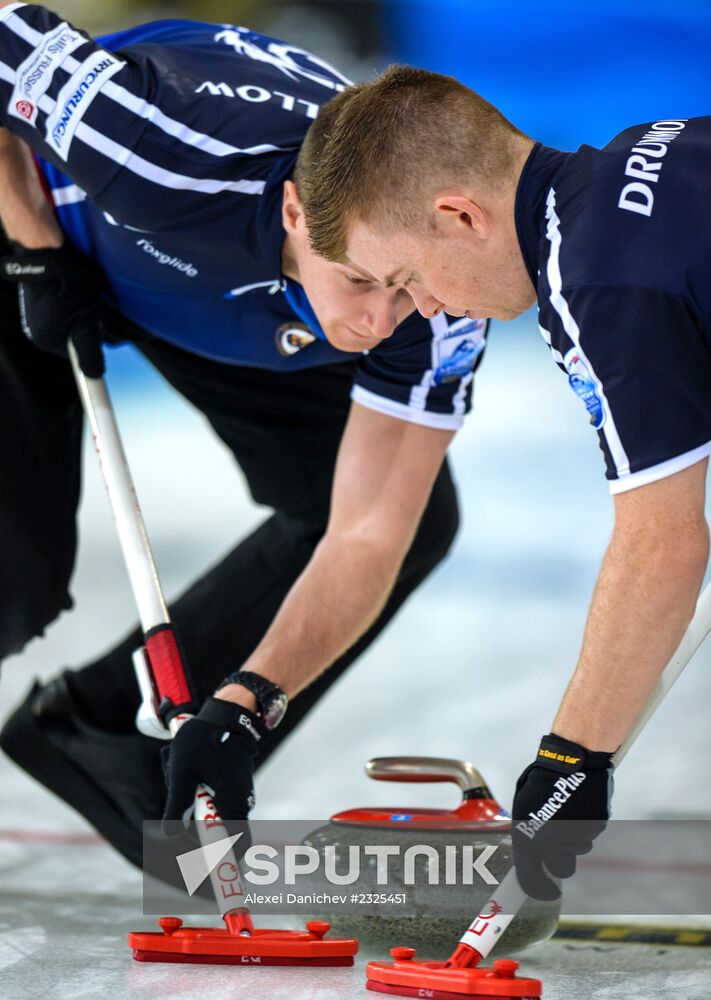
(584, 386)
(75, 99)
(455, 355)
(35, 74)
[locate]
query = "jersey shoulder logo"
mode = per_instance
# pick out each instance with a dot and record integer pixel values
(456, 353)
(292, 338)
(584, 386)
(293, 62)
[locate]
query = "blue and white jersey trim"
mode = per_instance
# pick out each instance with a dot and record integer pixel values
(559, 303)
(391, 408)
(652, 475)
(165, 149)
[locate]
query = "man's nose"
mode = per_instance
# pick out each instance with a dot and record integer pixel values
(381, 318)
(427, 305)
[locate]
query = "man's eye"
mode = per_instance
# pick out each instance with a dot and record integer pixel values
(356, 281)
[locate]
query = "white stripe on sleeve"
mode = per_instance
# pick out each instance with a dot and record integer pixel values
(19, 27)
(139, 106)
(159, 175)
(70, 194)
(35, 74)
(419, 393)
(559, 303)
(76, 97)
(8, 12)
(10, 9)
(136, 164)
(183, 133)
(557, 356)
(391, 408)
(461, 393)
(660, 471)
(7, 73)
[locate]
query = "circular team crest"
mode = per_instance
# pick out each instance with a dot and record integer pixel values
(25, 109)
(293, 337)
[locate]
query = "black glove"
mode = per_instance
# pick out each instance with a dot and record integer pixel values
(216, 749)
(59, 298)
(562, 803)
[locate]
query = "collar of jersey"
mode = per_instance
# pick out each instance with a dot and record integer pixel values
(296, 297)
(271, 240)
(538, 174)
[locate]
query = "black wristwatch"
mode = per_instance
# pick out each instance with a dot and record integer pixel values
(272, 702)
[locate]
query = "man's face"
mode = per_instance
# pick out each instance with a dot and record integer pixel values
(450, 268)
(356, 313)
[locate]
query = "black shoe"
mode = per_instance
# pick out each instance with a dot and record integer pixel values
(114, 780)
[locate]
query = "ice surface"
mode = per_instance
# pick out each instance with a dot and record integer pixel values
(473, 668)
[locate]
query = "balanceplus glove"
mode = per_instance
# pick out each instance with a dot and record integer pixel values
(562, 803)
(216, 749)
(59, 298)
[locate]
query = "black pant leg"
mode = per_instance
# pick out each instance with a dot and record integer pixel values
(220, 619)
(40, 452)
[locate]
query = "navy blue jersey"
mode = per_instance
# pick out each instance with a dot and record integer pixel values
(165, 149)
(618, 243)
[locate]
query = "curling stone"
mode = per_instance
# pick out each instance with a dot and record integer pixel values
(434, 916)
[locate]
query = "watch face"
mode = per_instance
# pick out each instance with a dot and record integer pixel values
(274, 712)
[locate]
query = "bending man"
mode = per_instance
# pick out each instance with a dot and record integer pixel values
(615, 246)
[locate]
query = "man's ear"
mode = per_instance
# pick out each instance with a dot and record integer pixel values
(464, 214)
(292, 210)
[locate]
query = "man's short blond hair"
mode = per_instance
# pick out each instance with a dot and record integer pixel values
(389, 144)
(315, 139)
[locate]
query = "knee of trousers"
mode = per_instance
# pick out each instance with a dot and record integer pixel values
(438, 528)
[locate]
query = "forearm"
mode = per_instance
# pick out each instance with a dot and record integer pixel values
(24, 212)
(383, 480)
(644, 599)
(334, 601)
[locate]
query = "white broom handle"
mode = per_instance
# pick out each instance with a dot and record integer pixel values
(501, 909)
(697, 630)
(122, 497)
(133, 538)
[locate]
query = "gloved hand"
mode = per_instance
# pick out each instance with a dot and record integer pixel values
(562, 803)
(59, 298)
(216, 749)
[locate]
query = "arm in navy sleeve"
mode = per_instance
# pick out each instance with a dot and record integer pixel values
(425, 373)
(639, 362)
(124, 131)
(642, 367)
